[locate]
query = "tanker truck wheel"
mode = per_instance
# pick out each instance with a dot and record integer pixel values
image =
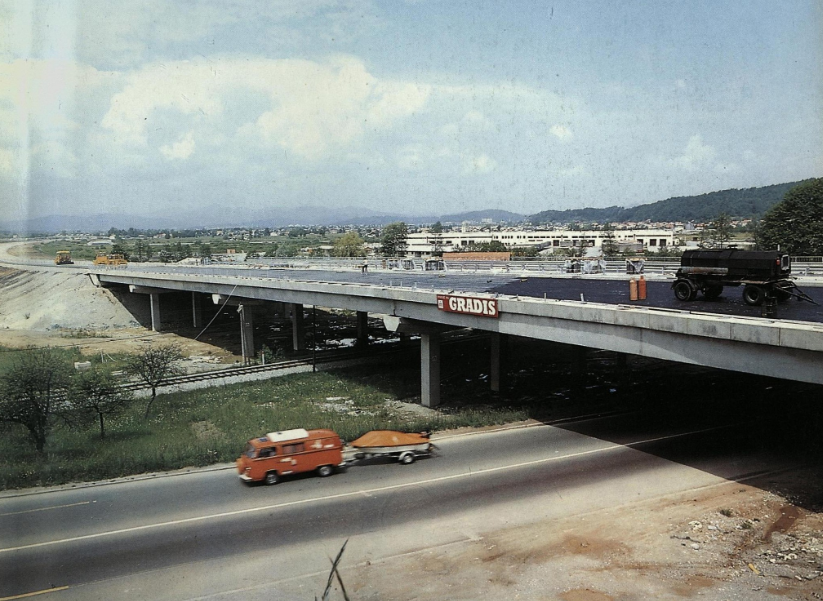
(684, 291)
(753, 295)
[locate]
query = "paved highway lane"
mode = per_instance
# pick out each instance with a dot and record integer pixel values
(214, 533)
(660, 294)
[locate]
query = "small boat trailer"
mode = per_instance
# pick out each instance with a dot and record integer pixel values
(389, 443)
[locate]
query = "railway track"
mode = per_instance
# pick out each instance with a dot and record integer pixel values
(321, 358)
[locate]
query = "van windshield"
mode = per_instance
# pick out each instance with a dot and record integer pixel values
(250, 451)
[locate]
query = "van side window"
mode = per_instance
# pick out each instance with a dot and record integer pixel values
(267, 452)
(289, 449)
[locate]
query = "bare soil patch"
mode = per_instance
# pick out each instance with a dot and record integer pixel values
(721, 543)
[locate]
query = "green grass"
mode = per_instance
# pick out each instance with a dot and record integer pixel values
(203, 427)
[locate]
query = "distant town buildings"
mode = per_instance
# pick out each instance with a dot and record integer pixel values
(421, 244)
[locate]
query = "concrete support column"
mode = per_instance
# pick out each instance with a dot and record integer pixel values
(430, 369)
(497, 372)
(196, 310)
(154, 301)
(246, 332)
(362, 328)
(298, 331)
(580, 370)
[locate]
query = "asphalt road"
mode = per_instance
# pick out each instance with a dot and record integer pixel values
(206, 535)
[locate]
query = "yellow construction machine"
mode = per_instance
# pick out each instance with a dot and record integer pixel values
(111, 260)
(63, 258)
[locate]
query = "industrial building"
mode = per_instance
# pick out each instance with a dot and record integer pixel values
(422, 244)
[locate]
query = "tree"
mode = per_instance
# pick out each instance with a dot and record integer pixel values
(437, 243)
(494, 246)
(609, 246)
(795, 225)
(721, 229)
(96, 394)
(525, 251)
(119, 249)
(154, 366)
(142, 251)
(393, 241)
(32, 390)
(349, 244)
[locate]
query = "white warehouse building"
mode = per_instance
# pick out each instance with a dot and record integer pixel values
(422, 244)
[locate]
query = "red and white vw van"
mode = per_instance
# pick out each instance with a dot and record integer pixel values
(290, 452)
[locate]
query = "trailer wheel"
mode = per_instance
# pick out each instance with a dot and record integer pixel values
(684, 291)
(712, 292)
(271, 478)
(406, 458)
(325, 470)
(754, 295)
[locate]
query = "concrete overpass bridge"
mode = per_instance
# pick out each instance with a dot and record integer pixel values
(777, 348)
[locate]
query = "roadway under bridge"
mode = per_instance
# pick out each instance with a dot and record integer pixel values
(586, 312)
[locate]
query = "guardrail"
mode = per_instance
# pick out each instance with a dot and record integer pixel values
(515, 268)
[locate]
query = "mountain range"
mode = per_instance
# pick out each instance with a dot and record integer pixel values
(741, 204)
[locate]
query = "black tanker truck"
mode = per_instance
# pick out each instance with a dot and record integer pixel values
(763, 275)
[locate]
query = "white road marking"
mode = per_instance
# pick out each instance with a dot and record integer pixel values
(35, 593)
(225, 514)
(46, 509)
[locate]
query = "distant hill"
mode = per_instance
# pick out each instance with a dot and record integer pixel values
(751, 202)
(215, 216)
(741, 204)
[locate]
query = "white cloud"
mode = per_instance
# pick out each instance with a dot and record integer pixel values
(561, 132)
(478, 165)
(696, 156)
(41, 105)
(181, 149)
(575, 171)
(312, 108)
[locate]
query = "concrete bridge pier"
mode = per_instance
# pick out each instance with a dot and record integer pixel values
(244, 308)
(430, 334)
(246, 332)
(196, 310)
(298, 330)
(497, 371)
(362, 328)
(430, 369)
(154, 303)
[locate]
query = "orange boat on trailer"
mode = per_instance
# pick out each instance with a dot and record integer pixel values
(402, 446)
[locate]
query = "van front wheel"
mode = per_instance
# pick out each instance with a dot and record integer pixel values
(271, 478)
(325, 470)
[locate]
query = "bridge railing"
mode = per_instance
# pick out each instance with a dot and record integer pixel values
(545, 267)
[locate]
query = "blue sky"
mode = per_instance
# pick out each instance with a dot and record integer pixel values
(423, 107)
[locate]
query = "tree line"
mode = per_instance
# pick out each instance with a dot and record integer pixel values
(743, 204)
(42, 390)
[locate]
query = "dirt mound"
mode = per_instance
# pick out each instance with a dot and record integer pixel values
(49, 300)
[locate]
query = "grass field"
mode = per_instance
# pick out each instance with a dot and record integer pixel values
(199, 428)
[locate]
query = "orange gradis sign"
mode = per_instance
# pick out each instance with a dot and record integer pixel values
(470, 305)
